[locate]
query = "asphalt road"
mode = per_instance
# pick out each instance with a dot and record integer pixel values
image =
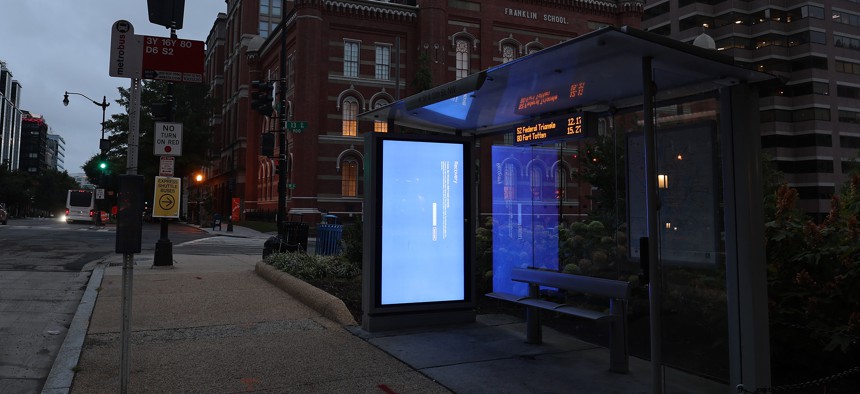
(45, 265)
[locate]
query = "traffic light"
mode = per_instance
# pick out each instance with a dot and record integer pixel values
(262, 97)
(103, 165)
(267, 145)
(162, 112)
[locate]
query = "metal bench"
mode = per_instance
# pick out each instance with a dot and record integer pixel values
(618, 293)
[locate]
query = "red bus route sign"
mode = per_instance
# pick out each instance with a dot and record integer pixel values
(173, 59)
(148, 57)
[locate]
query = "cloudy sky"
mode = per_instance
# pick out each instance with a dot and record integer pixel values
(54, 46)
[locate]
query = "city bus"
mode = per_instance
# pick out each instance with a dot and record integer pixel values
(80, 206)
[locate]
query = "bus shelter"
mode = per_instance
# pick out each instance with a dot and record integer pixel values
(612, 150)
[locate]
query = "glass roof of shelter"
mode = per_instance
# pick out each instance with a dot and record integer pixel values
(593, 73)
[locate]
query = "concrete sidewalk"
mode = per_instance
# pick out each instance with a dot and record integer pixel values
(214, 324)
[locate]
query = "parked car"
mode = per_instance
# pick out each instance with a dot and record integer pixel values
(4, 216)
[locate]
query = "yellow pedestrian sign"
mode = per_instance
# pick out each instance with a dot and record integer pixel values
(166, 200)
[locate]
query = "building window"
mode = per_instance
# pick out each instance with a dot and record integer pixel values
(349, 178)
(350, 59)
(509, 52)
(847, 67)
(270, 15)
(462, 63)
(814, 113)
(846, 42)
(510, 182)
(846, 116)
(383, 62)
(848, 91)
(846, 18)
(533, 49)
(536, 183)
(380, 126)
(350, 112)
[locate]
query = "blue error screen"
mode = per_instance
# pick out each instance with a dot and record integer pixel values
(423, 227)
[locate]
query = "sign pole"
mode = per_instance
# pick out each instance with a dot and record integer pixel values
(128, 258)
(163, 247)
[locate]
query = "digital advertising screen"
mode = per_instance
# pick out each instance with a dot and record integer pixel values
(423, 212)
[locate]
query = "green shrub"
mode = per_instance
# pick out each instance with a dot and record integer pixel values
(312, 267)
(813, 277)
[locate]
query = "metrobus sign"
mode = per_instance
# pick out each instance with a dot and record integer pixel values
(149, 57)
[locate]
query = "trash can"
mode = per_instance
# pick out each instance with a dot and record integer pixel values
(295, 238)
(328, 239)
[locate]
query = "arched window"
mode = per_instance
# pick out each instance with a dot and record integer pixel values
(510, 182)
(349, 177)
(533, 47)
(349, 111)
(380, 126)
(560, 183)
(536, 182)
(509, 52)
(462, 63)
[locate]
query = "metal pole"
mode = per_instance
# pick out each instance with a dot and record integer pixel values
(128, 258)
(655, 286)
(104, 104)
(163, 247)
(283, 143)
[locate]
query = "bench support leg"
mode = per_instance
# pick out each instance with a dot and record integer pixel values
(533, 328)
(618, 348)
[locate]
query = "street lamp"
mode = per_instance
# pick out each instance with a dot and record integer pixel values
(198, 179)
(104, 144)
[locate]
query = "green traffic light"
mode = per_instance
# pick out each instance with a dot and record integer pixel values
(102, 165)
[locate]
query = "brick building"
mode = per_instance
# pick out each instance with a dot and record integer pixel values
(346, 57)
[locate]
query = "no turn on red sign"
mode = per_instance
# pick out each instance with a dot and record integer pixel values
(168, 139)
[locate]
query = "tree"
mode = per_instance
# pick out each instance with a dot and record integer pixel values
(601, 164)
(813, 277)
(41, 193)
(422, 80)
(190, 107)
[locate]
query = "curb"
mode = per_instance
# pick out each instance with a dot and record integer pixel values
(62, 372)
(324, 303)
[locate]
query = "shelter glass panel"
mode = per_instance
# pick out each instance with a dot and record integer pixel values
(591, 225)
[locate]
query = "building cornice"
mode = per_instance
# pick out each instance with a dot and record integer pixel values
(373, 9)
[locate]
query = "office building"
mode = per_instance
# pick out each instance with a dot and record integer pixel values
(56, 152)
(10, 119)
(810, 123)
(34, 143)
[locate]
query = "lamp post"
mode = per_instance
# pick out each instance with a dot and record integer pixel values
(104, 145)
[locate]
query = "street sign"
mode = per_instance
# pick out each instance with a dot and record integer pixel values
(167, 165)
(150, 57)
(126, 51)
(296, 126)
(166, 199)
(172, 59)
(100, 194)
(168, 139)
